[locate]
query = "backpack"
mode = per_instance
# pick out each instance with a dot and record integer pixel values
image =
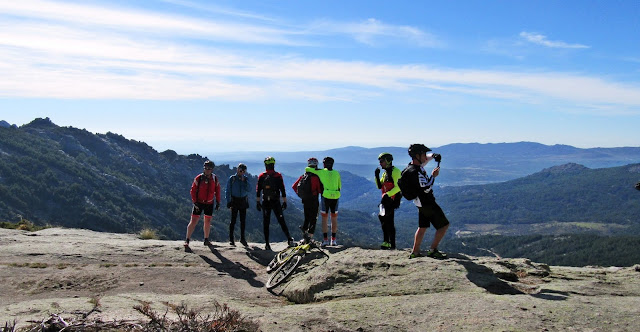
(406, 188)
(304, 187)
(270, 187)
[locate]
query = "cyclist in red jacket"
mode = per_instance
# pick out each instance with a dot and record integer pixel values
(204, 189)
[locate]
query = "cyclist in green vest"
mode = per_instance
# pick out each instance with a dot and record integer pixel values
(332, 184)
(390, 200)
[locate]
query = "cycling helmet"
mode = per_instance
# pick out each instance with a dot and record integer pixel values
(269, 161)
(328, 162)
(242, 166)
(386, 156)
(638, 185)
(209, 164)
(312, 162)
(417, 149)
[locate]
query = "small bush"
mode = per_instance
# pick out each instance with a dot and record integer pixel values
(222, 319)
(23, 225)
(148, 234)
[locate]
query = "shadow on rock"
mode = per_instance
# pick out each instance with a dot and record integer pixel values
(552, 295)
(484, 277)
(234, 269)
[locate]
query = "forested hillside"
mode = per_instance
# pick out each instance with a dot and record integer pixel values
(566, 193)
(70, 177)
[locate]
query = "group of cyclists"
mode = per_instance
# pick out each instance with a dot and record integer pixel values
(320, 190)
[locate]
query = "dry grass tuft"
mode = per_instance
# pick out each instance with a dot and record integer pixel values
(148, 234)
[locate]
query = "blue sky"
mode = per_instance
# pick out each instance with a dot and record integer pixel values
(200, 76)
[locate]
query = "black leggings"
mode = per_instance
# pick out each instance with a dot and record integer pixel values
(310, 216)
(388, 224)
(232, 225)
(266, 218)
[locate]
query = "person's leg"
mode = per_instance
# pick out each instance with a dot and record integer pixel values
(391, 228)
(277, 210)
(243, 223)
(384, 229)
(417, 239)
(441, 224)
(192, 225)
(313, 218)
(207, 226)
(423, 224)
(266, 219)
(232, 224)
(438, 237)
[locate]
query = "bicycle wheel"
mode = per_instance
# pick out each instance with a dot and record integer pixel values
(284, 271)
(279, 258)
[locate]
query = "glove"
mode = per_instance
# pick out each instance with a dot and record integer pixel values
(258, 206)
(228, 205)
(217, 206)
(284, 205)
(377, 172)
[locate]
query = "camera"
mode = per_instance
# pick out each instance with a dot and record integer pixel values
(437, 157)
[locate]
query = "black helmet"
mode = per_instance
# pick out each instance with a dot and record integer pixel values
(242, 166)
(417, 149)
(312, 162)
(638, 185)
(386, 156)
(209, 164)
(328, 162)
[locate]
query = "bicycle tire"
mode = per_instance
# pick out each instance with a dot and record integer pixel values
(284, 271)
(279, 258)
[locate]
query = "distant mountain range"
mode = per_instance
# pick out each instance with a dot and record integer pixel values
(462, 163)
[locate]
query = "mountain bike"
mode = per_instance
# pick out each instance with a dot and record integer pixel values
(286, 261)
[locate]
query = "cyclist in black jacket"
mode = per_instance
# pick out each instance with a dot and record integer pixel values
(429, 212)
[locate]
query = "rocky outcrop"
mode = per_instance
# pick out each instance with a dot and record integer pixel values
(353, 289)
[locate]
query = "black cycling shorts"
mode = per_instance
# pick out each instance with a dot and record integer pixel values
(329, 204)
(431, 214)
(198, 208)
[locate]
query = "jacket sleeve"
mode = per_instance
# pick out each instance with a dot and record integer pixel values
(227, 193)
(258, 186)
(283, 191)
(217, 190)
(295, 184)
(194, 187)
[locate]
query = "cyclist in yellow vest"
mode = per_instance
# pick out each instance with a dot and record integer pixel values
(329, 203)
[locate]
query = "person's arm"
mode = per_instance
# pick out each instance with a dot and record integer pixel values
(227, 193)
(194, 188)
(217, 190)
(295, 184)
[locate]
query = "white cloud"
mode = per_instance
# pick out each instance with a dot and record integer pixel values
(539, 39)
(64, 51)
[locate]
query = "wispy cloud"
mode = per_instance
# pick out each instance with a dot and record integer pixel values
(539, 39)
(76, 51)
(374, 32)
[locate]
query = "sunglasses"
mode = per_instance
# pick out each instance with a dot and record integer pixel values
(209, 168)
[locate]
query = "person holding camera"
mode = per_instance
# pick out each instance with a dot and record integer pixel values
(237, 195)
(429, 212)
(390, 199)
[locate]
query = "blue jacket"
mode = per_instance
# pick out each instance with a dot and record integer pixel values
(236, 187)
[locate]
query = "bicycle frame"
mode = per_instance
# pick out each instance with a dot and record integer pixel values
(286, 261)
